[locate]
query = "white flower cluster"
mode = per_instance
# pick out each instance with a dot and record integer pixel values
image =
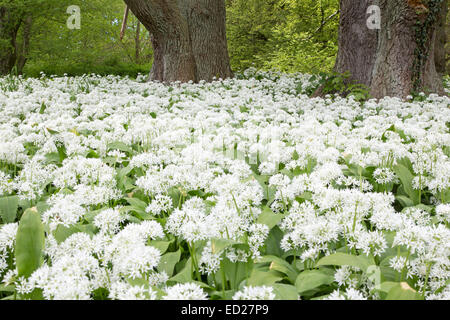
(255, 293)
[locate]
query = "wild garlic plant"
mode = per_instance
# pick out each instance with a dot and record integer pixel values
(242, 188)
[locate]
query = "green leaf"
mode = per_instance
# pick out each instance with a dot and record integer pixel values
(4, 288)
(263, 278)
(29, 243)
(269, 218)
(52, 157)
(280, 265)
(121, 176)
(137, 203)
(184, 275)
(311, 279)
(175, 194)
(42, 109)
(402, 291)
(217, 245)
(406, 177)
(386, 286)
(52, 131)
(119, 145)
(62, 233)
(344, 259)
(236, 272)
(139, 213)
(42, 206)
(269, 192)
(285, 291)
(404, 201)
(273, 242)
(162, 246)
(89, 228)
(168, 262)
(8, 208)
(446, 196)
(62, 153)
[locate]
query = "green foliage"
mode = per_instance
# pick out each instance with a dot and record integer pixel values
(8, 208)
(95, 48)
(340, 83)
(29, 243)
(402, 291)
(311, 279)
(343, 259)
(288, 35)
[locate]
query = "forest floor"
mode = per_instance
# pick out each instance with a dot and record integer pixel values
(237, 189)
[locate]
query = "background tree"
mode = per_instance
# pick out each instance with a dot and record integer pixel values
(287, 35)
(34, 37)
(11, 16)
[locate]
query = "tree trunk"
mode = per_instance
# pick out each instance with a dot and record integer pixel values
(441, 39)
(207, 25)
(357, 43)
(188, 38)
(137, 42)
(405, 56)
(23, 50)
(398, 58)
(9, 26)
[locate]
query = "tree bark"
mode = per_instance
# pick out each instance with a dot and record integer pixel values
(188, 38)
(137, 42)
(10, 21)
(357, 43)
(23, 50)
(405, 56)
(399, 58)
(207, 25)
(441, 39)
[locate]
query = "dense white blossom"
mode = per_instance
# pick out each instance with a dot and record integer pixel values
(220, 162)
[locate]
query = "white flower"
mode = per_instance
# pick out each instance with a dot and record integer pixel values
(108, 221)
(443, 212)
(255, 293)
(122, 290)
(185, 291)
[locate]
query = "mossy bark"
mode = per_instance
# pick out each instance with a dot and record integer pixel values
(399, 58)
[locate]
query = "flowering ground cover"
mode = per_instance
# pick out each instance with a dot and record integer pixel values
(112, 188)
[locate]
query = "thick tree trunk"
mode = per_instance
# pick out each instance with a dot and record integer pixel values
(405, 55)
(170, 29)
(207, 26)
(188, 38)
(399, 57)
(9, 27)
(357, 43)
